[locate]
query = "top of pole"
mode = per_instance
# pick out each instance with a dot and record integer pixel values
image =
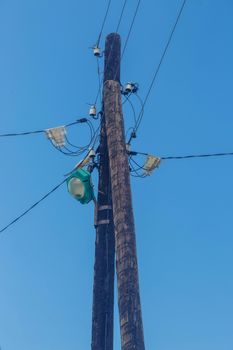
(112, 57)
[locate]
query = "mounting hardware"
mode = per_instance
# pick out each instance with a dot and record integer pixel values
(133, 135)
(128, 147)
(151, 163)
(57, 135)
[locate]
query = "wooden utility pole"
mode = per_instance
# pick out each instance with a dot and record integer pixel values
(103, 290)
(131, 326)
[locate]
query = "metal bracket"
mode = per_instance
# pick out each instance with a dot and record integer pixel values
(103, 222)
(104, 207)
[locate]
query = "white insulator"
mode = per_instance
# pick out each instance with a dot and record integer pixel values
(96, 51)
(92, 111)
(91, 153)
(130, 87)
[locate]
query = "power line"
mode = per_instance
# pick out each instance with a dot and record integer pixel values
(82, 120)
(205, 155)
(121, 15)
(225, 154)
(135, 172)
(130, 29)
(116, 31)
(188, 156)
(160, 63)
(128, 35)
(32, 206)
(103, 23)
(199, 156)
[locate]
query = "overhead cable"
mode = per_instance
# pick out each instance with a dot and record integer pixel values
(32, 206)
(111, 48)
(82, 120)
(160, 63)
(199, 156)
(121, 15)
(128, 35)
(205, 155)
(103, 23)
(130, 29)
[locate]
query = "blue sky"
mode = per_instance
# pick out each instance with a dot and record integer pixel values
(183, 212)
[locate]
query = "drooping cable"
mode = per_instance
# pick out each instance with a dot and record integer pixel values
(133, 134)
(132, 107)
(135, 171)
(32, 206)
(161, 61)
(79, 150)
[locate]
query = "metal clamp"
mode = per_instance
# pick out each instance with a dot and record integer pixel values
(103, 222)
(104, 207)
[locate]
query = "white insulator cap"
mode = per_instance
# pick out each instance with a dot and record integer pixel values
(92, 111)
(96, 51)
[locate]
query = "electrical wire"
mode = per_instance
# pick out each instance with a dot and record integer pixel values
(121, 16)
(128, 35)
(66, 151)
(111, 48)
(130, 29)
(94, 139)
(103, 23)
(161, 61)
(127, 132)
(134, 172)
(82, 120)
(141, 111)
(99, 79)
(78, 148)
(198, 156)
(202, 155)
(32, 206)
(136, 119)
(22, 133)
(132, 107)
(140, 167)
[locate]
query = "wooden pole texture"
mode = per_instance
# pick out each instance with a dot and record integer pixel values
(103, 290)
(131, 326)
